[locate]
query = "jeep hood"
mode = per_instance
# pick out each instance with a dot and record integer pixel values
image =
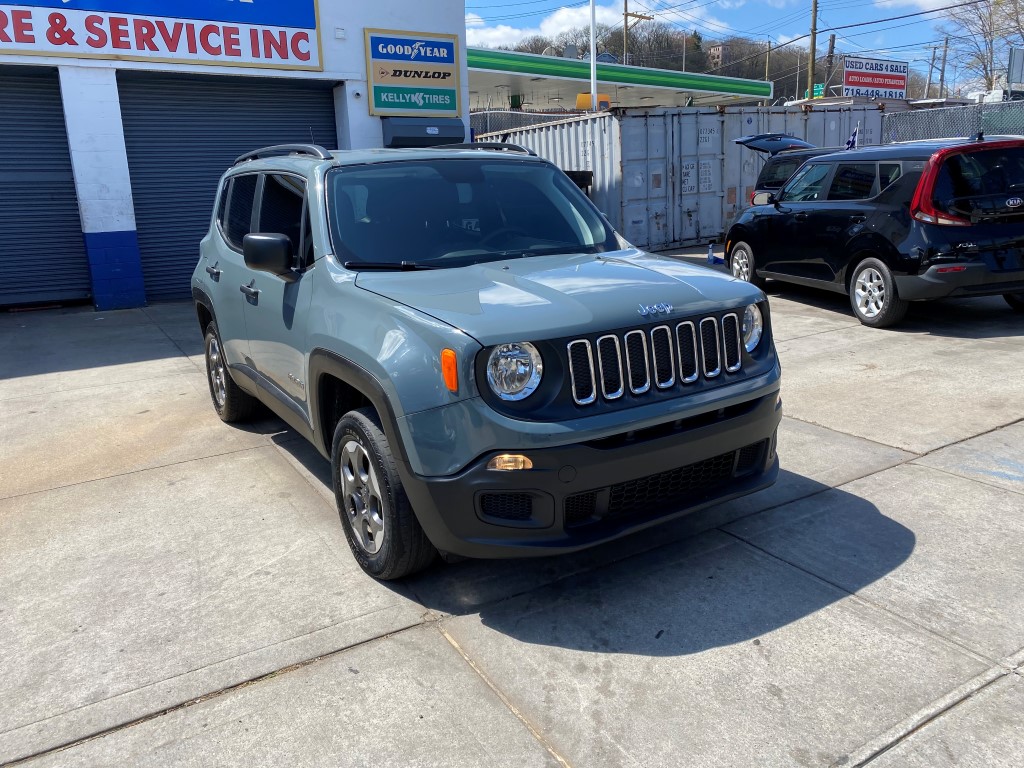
(555, 296)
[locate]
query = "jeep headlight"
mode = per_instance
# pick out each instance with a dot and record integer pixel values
(514, 370)
(753, 326)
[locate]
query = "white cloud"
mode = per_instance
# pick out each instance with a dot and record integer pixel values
(480, 33)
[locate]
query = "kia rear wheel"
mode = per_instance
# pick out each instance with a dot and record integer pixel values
(1015, 300)
(873, 295)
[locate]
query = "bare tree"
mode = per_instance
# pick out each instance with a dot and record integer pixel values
(533, 44)
(980, 36)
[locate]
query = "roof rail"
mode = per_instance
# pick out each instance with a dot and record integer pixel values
(495, 146)
(278, 150)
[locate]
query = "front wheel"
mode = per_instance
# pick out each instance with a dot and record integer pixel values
(1015, 300)
(873, 295)
(382, 531)
(741, 264)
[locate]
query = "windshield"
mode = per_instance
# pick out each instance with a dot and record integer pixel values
(452, 212)
(978, 184)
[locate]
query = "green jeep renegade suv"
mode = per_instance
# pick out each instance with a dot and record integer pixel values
(490, 369)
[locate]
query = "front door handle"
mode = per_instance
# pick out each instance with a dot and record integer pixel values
(858, 219)
(213, 271)
(801, 217)
(250, 291)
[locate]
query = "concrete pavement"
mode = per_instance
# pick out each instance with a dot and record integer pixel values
(175, 591)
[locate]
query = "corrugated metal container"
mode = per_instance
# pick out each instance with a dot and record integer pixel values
(673, 177)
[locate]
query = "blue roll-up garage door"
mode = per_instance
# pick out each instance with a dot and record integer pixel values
(182, 132)
(42, 251)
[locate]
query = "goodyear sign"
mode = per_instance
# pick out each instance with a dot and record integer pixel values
(411, 74)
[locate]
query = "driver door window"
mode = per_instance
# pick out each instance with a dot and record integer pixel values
(282, 207)
(808, 184)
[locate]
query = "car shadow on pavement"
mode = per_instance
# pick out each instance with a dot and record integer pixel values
(985, 317)
(704, 580)
(709, 591)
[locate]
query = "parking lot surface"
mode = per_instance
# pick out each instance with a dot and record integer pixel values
(176, 591)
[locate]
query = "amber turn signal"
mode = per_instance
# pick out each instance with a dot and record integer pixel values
(507, 462)
(450, 369)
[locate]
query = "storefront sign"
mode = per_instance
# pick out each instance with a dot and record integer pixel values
(275, 34)
(875, 78)
(413, 74)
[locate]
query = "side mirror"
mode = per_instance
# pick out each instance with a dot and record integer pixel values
(762, 198)
(271, 252)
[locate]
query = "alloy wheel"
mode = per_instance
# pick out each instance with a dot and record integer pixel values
(741, 264)
(362, 497)
(869, 291)
(216, 371)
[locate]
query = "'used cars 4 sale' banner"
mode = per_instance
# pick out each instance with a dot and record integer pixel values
(412, 74)
(875, 78)
(276, 34)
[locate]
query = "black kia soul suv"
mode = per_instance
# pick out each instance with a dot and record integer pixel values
(892, 224)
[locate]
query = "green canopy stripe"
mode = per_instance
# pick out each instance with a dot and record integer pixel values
(574, 69)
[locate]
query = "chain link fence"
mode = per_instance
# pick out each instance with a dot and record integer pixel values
(496, 121)
(1004, 118)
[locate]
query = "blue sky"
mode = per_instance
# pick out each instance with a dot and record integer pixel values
(496, 22)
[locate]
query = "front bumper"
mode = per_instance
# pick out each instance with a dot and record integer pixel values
(975, 280)
(582, 494)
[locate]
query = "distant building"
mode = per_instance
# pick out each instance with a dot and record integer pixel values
(718, 55)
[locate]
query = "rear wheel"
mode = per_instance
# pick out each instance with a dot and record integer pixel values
(382, 531)
(741, 264)
(231, 402)
(873, 295)
(1015, 300)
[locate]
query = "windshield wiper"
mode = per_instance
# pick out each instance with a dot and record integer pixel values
(399, 266)
(546, 251)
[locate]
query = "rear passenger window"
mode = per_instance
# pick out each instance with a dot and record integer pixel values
(238, 217)
(853, 181)
(281, 208)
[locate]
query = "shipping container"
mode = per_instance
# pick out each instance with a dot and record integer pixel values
(673, 177)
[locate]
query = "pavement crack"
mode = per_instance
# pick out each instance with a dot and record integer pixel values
(505, 700)
(903, 730)
(206, 697)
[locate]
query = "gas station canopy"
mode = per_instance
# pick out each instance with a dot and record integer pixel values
(504, 79)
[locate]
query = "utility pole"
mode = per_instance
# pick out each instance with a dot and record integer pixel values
(767, 53)
(829, 61)
(942, 71)
(626, 16)
(928, 84)
(810, 60)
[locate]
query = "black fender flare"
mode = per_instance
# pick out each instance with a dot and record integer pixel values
(199, 296)
(325, 362)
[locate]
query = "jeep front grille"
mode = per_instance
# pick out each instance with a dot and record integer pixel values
(661, 357)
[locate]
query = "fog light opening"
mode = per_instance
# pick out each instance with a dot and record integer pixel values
(508, 462)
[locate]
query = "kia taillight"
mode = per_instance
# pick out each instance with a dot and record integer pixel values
(922, 207)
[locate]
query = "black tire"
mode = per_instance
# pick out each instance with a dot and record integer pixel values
(873, 295)
(231, 403)
(382, 530)
(742, 268)
(1015, 300)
